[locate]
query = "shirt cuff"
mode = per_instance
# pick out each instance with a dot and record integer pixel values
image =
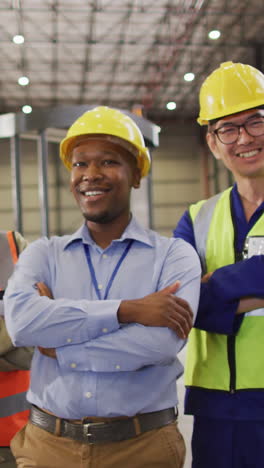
(216, 315)
(100, 321)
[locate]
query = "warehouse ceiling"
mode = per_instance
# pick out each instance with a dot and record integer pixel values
(127, 54)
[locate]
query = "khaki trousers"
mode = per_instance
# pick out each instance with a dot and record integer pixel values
(159, 448)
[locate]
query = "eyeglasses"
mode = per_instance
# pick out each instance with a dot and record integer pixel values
(229, 133)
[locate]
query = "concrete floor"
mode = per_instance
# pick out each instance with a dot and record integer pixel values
(185, 422)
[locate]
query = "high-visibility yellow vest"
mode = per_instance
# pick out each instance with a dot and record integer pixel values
(13, 384)
(208, 361)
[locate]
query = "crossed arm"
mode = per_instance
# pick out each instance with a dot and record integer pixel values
(145, 331)
(159, 309)
(228, 293)
(245, 304)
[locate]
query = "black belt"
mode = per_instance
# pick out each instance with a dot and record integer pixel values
(93, 432)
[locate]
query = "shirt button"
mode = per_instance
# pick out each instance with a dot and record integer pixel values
(105, 330)
(69, 340)
(73, 365)
(117, 367)
(104, 256)
(100, 286)
(88, 394)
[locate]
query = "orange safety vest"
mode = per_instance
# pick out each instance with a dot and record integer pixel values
(14, 411)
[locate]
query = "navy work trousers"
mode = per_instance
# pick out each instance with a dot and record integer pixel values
(219, 443)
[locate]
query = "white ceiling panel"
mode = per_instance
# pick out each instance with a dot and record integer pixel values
(122, 52)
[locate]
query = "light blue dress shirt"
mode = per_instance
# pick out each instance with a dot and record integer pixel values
(103, 368)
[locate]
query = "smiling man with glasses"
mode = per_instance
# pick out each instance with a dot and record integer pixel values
(224, 372)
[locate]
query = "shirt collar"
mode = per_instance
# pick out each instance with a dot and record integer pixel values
(237, 203)
(134, 230)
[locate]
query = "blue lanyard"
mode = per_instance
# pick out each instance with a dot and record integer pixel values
(91, 268)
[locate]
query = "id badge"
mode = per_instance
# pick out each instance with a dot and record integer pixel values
(254, 245)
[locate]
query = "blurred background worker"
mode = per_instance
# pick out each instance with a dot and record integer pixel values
(108, 325)
(224, 372)
(14, 362)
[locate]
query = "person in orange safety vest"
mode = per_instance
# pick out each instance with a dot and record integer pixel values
(14, 362)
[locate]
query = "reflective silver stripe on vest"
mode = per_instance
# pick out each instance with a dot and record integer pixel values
(201, 226)
(6, 261)
(13, 404)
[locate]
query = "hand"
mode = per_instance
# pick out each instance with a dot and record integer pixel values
(246, 304)
(43, 290)
(50, 352)
(159, 309)
(206, 277)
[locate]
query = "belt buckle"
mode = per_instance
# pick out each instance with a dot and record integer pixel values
(86, 433)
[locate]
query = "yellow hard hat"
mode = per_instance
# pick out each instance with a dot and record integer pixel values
(231, 88)
(110, 124)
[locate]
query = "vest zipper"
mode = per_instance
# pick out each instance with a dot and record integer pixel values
(231, 355)
(231, 339)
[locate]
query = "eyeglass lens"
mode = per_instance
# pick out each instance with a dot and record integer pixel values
(230, 133)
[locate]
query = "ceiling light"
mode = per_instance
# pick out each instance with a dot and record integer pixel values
(18, 39)
(27, 109)
(215, 34)
(189, 76)
(171, 105)
(23, 80)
